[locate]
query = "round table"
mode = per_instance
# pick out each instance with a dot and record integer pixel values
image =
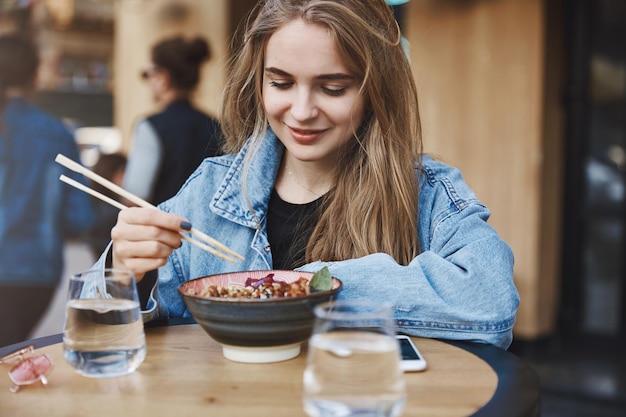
(185, 374)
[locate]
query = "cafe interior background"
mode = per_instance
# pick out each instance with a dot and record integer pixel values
(526, 97)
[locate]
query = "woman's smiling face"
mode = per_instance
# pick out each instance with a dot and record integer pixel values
(310, 98)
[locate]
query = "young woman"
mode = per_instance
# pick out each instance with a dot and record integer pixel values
(325, 168)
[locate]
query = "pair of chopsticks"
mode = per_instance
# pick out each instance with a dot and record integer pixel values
(76, 167)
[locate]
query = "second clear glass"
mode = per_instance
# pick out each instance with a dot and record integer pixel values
(353, 365)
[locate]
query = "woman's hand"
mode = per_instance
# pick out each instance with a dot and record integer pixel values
(143, 238)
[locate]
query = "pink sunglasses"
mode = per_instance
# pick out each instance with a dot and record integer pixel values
(26, 371)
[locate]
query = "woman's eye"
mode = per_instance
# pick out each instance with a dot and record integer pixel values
(280, 85)
(334, 91)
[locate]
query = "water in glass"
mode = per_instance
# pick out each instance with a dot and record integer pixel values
(104, 336)
(353, 371)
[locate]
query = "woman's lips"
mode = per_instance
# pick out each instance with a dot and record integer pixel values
(305, 135)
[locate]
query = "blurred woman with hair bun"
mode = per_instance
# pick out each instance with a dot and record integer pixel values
(169, 145)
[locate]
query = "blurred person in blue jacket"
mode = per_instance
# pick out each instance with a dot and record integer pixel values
(38, 213)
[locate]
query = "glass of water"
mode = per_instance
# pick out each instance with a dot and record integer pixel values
(103, 333)
(353, 364)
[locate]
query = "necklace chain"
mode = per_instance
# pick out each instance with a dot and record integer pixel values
(293, 177)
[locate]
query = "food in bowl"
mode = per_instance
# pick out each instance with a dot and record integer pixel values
(255, 329)
(265, 287)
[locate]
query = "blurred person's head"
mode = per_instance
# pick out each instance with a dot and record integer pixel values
(19, 62)
(174, 70)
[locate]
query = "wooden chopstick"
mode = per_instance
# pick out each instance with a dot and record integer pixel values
(94, 193)
(121, 206)
(76, 167)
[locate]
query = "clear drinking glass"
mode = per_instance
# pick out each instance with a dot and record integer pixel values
(353, 365)
(103, 334)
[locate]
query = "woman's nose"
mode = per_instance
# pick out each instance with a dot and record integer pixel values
(303, 106)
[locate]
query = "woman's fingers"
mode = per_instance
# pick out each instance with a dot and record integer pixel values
(150, 217)
(144, 238)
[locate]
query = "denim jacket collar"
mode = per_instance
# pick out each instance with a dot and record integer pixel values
(230, 202)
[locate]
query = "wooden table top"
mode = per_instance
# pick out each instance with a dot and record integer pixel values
(185, 374)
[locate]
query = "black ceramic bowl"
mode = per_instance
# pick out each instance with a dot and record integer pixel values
(255, 330)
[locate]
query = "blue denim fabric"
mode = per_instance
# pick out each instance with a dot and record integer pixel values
(460, 287)
(38, 212)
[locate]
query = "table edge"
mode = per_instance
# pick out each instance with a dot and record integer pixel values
(512, 373)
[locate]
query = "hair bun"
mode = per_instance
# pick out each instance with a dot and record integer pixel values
(198, 50)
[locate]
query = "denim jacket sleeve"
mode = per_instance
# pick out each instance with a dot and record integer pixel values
(460, 286)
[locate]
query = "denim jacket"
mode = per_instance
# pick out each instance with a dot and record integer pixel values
(459, 287)
(38, 212)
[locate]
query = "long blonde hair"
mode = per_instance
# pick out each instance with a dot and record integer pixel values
(374, 204)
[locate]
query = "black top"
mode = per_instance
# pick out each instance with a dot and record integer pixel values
(289, 227)
(187, 136)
